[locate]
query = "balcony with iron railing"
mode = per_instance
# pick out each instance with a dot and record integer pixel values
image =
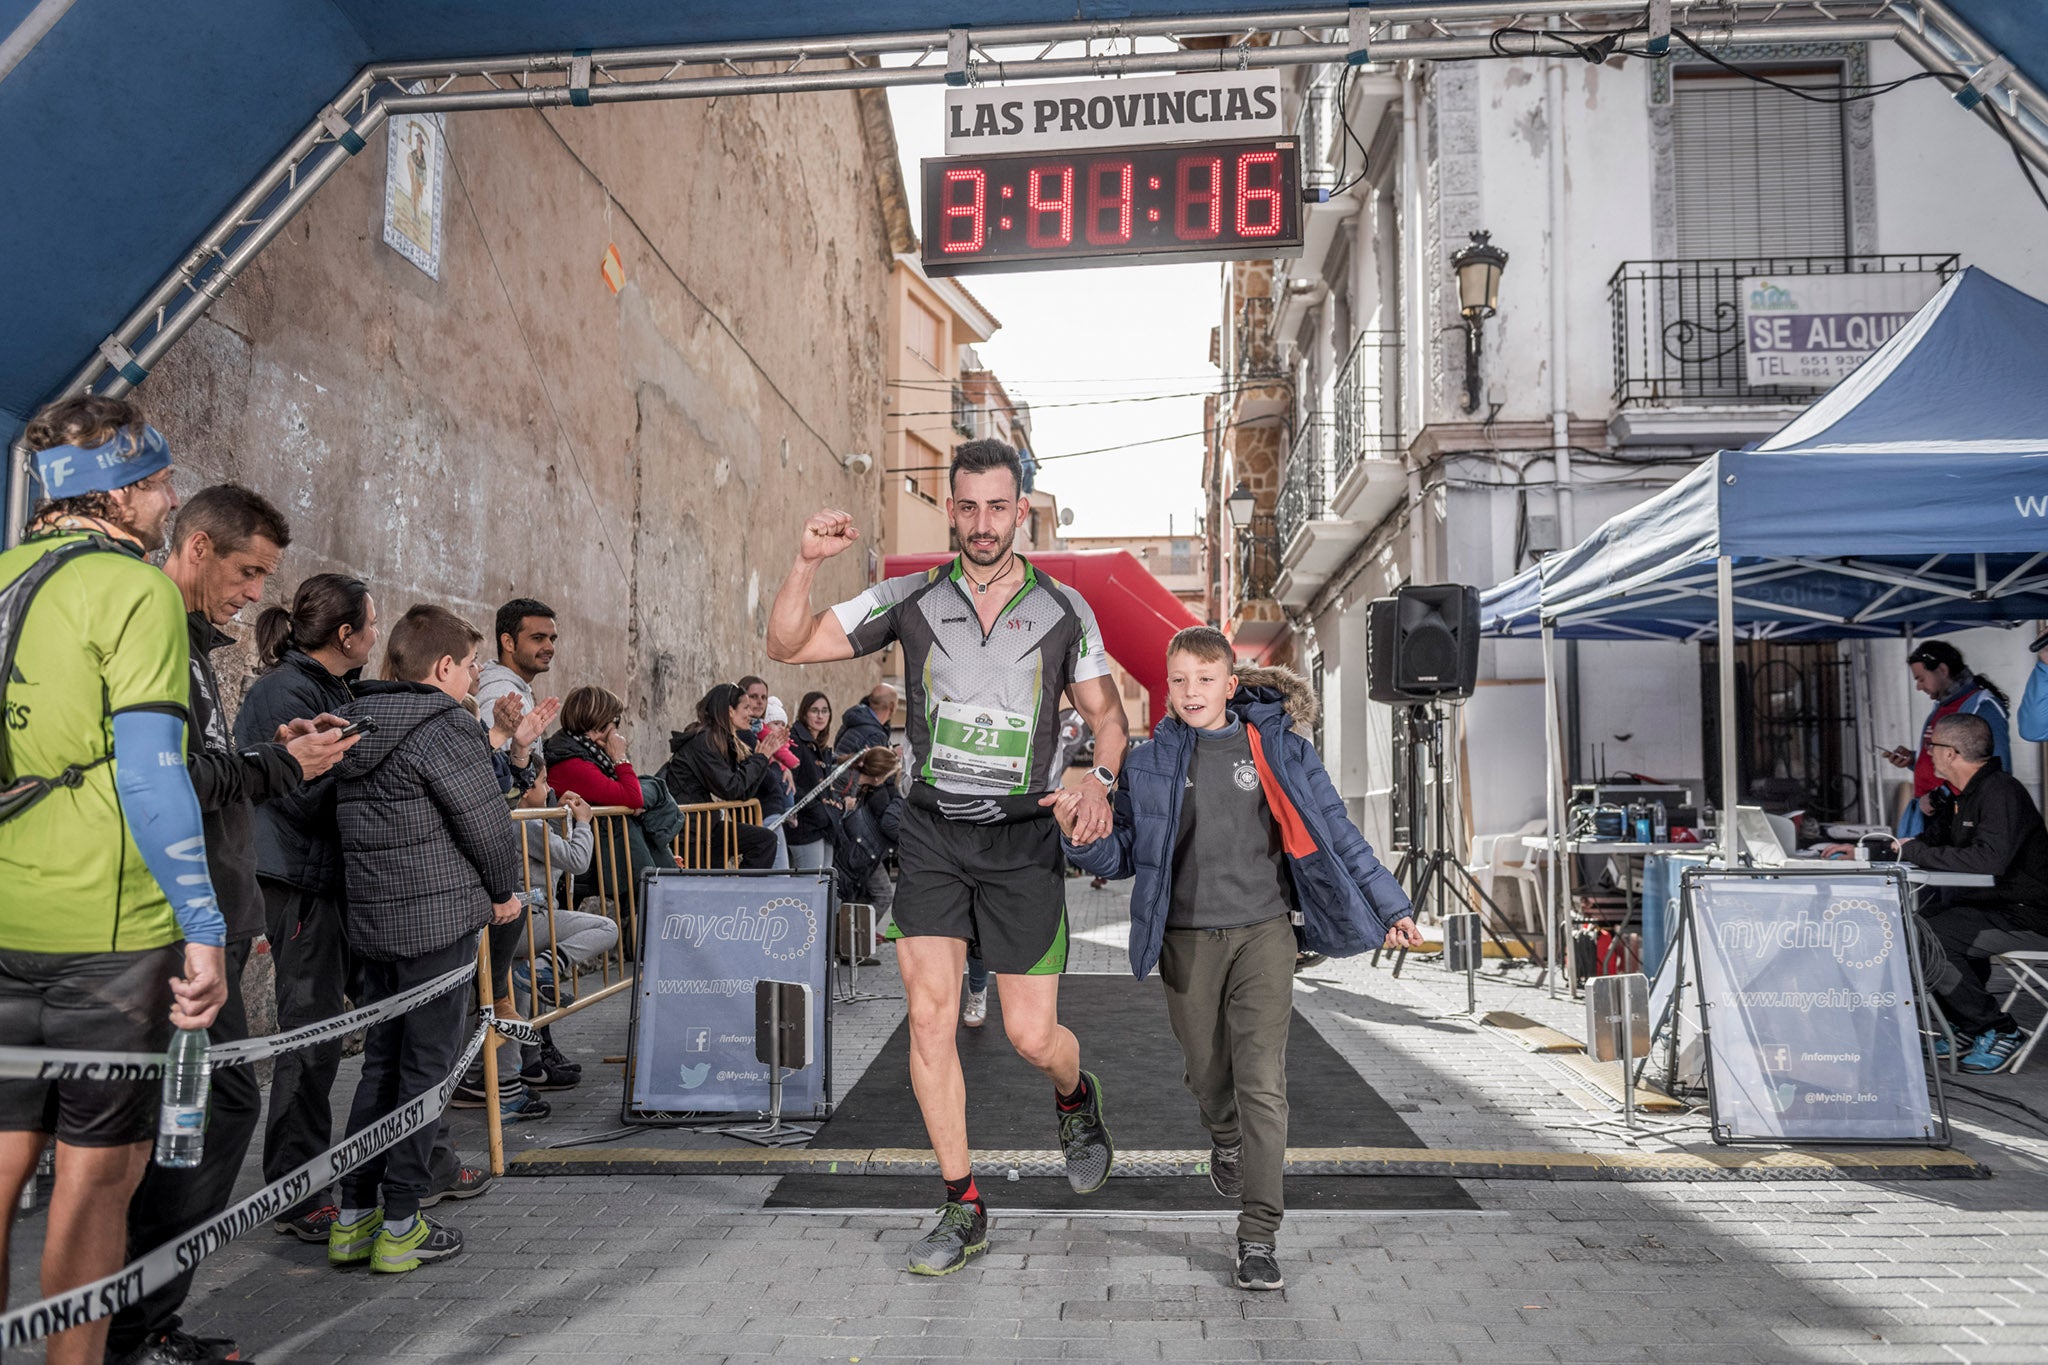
(1255, 351)
(1367, 477)
(1304, 479)
(1678, 325)
(1255, 564)
(1318, 127)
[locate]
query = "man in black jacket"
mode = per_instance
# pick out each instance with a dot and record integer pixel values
(429, 859)
(866, 722)
(1994, 829)
(226, 543)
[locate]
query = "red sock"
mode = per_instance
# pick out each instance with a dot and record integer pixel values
(964, 1191)
(1078, 1100)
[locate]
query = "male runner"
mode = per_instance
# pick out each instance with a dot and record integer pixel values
(989, 643)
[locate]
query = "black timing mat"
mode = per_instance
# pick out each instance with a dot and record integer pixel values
(1125, 1040)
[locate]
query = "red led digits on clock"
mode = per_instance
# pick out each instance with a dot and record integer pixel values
(1109, 203)
(1049, 206)
(1198, 198)
(1263, 202)
(966, 215)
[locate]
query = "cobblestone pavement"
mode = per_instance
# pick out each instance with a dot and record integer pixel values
(677, 1268)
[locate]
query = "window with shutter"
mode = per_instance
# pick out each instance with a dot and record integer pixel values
(1758, 171)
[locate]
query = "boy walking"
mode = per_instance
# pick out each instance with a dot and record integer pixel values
(1243, 852)
(429, 859)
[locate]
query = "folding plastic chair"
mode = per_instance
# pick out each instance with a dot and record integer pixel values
(2030, 974)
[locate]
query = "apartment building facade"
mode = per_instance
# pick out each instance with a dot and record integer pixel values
(1380, 446)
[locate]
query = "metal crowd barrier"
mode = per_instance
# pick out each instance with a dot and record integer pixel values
(709, 838)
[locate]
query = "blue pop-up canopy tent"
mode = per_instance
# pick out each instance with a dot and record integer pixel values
(1911, 499)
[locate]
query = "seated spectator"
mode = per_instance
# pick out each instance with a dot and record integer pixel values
(713, 760)
(868, 834)
(755, 702)
(866, 724)
(809, 831)
(778, 790)
(1994, 829)
(556, 942)
(587, 756)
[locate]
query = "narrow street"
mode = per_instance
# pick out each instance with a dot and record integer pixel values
(633, 1268)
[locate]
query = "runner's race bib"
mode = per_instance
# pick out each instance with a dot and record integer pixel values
(981, 744)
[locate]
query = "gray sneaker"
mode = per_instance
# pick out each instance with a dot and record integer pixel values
(1085, 1140)
(1226, 1170)
(1256, 1266)
(962, 1232)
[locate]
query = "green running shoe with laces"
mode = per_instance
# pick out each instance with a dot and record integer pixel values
(1085, 1141)
(962, 1232)
(351, 1243)
(424, 1241)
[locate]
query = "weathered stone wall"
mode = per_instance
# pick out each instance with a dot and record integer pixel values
(643, 462)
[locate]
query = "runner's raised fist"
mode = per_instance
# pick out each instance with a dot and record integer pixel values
(828, 533)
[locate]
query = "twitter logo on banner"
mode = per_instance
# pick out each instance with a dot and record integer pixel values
(693, 1076)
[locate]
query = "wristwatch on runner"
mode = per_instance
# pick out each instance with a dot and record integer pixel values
(1104, 776)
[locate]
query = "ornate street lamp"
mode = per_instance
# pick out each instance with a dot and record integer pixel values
(1479, 266)
(1240, 505)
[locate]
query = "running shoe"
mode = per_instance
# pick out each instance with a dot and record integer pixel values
(468, 1096)
(1084, 1138)
(518, 1108)
(1226, 1170)
(176, 1347)
(962, 1232)
(311, 1226)
(424, 1241)
(1992, 1052)
(469, 1182)
(1304, 961)
(542, 1076)
(352, 1243)
(1941, 1047)
(974, 1013)
(1256, 1266)
(557, 1063)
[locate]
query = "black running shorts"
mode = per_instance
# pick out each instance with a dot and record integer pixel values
(88, 1002)
(1001, 887)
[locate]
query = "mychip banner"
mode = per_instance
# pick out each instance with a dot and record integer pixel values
(1812, 1008)
(706, 938)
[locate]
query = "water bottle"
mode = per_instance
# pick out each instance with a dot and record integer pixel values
(1660, 824)
(1639, 821)
(181, 1125)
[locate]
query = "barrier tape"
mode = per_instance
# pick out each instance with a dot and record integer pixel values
(139, 1278)
(54, 1064)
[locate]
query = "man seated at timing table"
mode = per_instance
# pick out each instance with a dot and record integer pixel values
(1992, 828)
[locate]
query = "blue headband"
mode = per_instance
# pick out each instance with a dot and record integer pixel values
(126, 458)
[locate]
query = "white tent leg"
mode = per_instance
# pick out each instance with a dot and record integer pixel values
(1731, 789)
(1553, 960)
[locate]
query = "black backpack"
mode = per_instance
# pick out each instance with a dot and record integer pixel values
(18, 793)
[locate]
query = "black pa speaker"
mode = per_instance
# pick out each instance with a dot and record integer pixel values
(1422, 644)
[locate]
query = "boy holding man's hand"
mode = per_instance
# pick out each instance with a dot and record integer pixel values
(1243, 852)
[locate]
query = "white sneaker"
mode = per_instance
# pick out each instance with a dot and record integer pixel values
(975, 1012)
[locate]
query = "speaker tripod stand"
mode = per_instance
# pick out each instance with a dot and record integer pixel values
(1431, 868)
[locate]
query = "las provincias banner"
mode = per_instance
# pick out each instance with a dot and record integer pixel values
(1221, 106)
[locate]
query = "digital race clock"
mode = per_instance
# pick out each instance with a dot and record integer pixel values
(1045, 210)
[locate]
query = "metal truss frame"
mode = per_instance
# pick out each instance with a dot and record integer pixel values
(1256, 39)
